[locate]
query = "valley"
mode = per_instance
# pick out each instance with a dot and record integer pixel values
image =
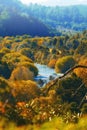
(43, 66)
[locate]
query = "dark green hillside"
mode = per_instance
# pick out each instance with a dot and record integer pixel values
(37, 20)
(13, 21)
(21, 24)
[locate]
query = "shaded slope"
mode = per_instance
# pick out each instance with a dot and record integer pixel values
(13, 21)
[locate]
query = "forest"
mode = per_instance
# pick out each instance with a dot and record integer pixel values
(22, 102)
(51, 36)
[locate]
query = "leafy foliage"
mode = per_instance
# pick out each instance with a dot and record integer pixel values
(64, 63)
(5, 92)
(21, 73)
(82, 73)
(67, 89)
(24, 90)
(22, 101)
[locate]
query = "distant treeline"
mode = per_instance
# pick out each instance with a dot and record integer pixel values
(37, 20)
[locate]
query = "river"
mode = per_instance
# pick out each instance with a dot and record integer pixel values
(45, 74)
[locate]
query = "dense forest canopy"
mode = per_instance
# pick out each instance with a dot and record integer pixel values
(21, 100)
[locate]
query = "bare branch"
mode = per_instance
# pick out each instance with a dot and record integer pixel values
(82, 100)
(71, 69)
(78, 89)
(53, 82)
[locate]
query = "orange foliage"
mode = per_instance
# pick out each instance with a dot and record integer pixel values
(24, 90)
(82, 72)
(40, 41)
(2, 109)
(20, 104)
(52, 63)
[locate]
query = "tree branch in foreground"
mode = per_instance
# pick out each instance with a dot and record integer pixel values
(53, 82)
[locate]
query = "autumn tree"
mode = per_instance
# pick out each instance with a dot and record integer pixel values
(52, 63)
(24, 90)
(30, 66)
(64, 63)
(82, 72)
(21, 73)
(15, 57)
(4, 51)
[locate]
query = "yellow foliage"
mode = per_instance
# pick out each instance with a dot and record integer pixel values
(55, 124)
(4, 51)
(12, 59)
(40, 41)
(24, 90)
(15, 57)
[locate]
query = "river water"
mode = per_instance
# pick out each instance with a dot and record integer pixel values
(44, 70)
(45, 74)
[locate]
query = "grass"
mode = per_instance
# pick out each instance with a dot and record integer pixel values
(54, 124)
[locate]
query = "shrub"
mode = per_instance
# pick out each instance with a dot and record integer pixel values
(30, 66)
(68, 87)
(15, 57)
(4, 51)
(12, 59)
(24, 90)
(84, 108)
(21, 73)
(5, 91)
(82, 72)
(64, 63)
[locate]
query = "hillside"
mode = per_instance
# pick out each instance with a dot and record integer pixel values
(37, 20)
(61, 18)
(13, 21)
